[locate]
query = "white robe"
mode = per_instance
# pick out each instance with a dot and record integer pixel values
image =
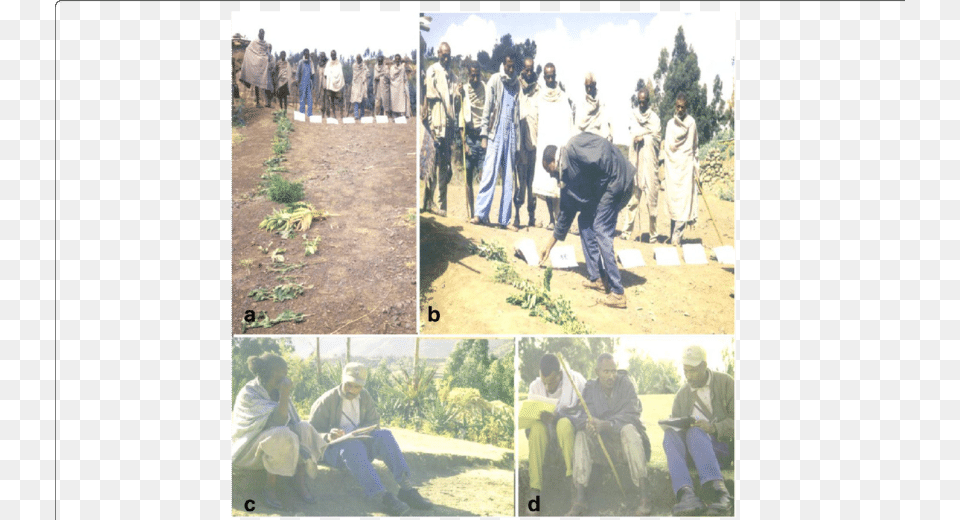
(681, 167)
(555, 126)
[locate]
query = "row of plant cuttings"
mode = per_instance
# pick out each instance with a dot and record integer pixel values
(535, 298)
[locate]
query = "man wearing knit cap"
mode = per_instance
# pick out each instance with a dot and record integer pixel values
(708, 399)
(349, 407)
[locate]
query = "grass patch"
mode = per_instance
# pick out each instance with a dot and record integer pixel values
(283, 191)
(235, 137)
(310, 245)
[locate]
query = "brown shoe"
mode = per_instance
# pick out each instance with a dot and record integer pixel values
(596, 285)
(477, 221)
(511, 227)
(617, 301)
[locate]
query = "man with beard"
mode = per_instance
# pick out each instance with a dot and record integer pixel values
(708, 398)
(597, 183)
(527, 155)
(358, 88)
(592, 116)
(615, 410)
(555, 127)
(381, 88)
(680, 161)
(500, 126)
(644, 153)
(349, 407)
(333, 76)
(442, 124)
(255, 70)
(473, 94)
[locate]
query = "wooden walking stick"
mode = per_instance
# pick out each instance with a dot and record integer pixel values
(712, 220)
(563, 364)
(467, 188)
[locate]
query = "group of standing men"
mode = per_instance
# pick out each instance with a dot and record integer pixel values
(603, 415)
(321, 80)
(506, 121)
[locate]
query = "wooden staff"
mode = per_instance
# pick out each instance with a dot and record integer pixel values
(713, 220)
(616, 476)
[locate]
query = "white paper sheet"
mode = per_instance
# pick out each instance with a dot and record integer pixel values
(383, 119)
(725, 255)
(631, 258)
(400, 120)
(366, 120)
(349, 120)
(563, 257)
(316, 119)
(528, 250)
(299, 116)
(332, 121)
(666, 256)
(694, 254)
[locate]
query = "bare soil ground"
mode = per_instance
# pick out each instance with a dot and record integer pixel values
(461, 478)
(364, 272)
(685, 299)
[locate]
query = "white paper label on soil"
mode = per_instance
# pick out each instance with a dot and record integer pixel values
(367, 119)
(349, 120)
(666, 256)
(332, 121)
(299, 116)
(563, 257)
(694, 254)
(725, 255)
(383, 119)
(631, 258)
(527, 249)
(400, 120)
(316, 119)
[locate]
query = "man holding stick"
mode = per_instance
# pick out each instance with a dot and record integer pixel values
(608, 422)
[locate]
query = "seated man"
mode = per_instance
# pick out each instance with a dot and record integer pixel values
(553, 429)
(613, 403)
(708, 399)
(267, 432)
(349, 407)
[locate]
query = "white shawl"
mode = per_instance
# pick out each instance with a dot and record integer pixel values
(568, 397)
(680, 161)
(555, 122)
(333, 76)
(251, 412)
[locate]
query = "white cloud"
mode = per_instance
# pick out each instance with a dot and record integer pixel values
(474, 35)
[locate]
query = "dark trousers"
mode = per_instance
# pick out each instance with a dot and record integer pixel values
(597, 225)
(441, 171)
(526, 165)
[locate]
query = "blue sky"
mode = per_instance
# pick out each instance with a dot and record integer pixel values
(618, 48)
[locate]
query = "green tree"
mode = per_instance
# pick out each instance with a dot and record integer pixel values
(682, 74)
(500, 51)
(468, 363)
(498, 384)
(483, 59)
(580, 353)
(654, 376)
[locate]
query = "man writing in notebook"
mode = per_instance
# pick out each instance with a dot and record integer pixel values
(553, 430)
(707, 398)
(350, 407)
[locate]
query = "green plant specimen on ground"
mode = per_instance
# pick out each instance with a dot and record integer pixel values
(279, 293)
(264, 321)
(298, 216)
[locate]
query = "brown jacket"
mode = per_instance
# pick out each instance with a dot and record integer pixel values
(326, 410)
(722, 403)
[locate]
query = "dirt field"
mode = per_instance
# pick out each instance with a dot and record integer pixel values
(364, 272)
(461, 479)
(685, 299)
